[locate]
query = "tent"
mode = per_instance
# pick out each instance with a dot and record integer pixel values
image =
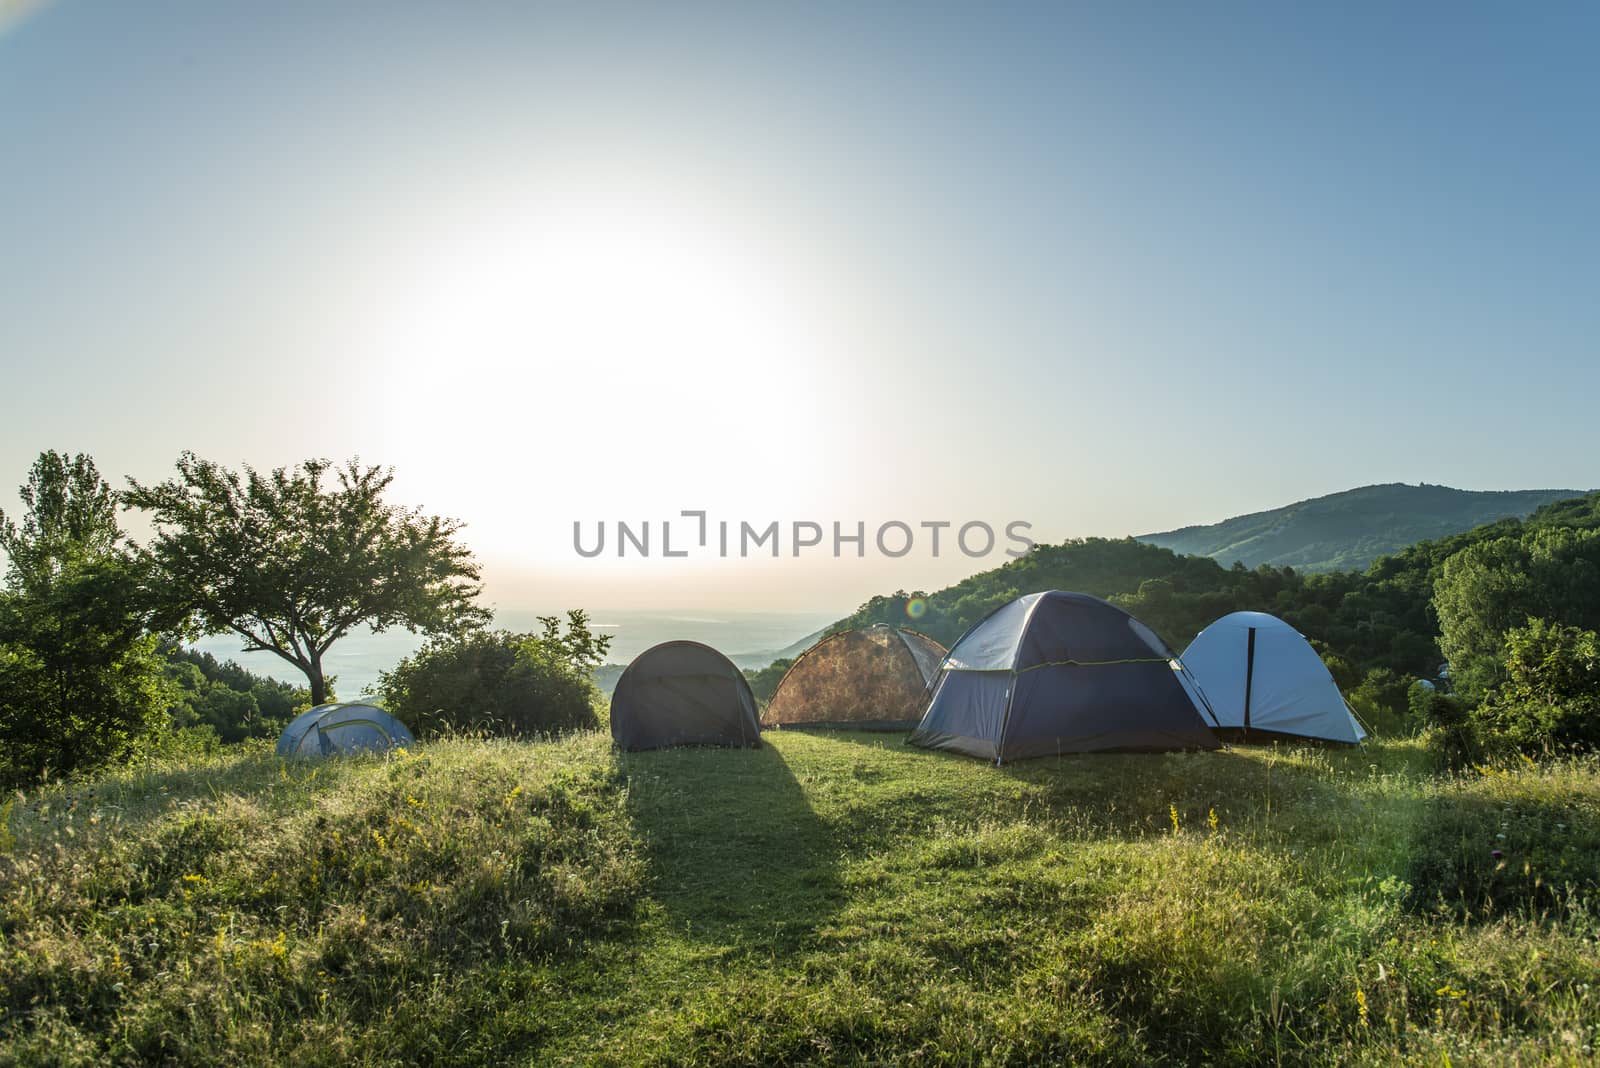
(1263, 679)
(1058, 672)
(339, 729)
(683, 693)
(875, 678)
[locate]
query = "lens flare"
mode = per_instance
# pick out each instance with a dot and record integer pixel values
(917, 607)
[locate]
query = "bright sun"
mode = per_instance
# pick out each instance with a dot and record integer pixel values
(673, 350)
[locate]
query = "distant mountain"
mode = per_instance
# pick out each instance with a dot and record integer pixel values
(1347, 531)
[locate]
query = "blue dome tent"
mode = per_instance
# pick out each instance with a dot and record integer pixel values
(343, 728)
(1058, 672)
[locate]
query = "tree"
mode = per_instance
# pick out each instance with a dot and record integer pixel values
(81, 682)
(1487, 589)
(70, 517)
(291, 563)
(500, 682)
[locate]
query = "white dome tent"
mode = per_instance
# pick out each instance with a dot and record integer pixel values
(1264, 680)
(341, 729)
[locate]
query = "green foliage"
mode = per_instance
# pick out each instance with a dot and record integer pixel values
(764, 682)
(501, 683)
(826, 899)
(1549, 700)
(1486, 589)
(80, 679)
(291, 564)
(70, 518)
(1382, 701)
(233, 703)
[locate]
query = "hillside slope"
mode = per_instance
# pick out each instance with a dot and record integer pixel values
(827, 898)
(1347, 531)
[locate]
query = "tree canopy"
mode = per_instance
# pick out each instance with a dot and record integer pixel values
(293, 559)
(80, 679)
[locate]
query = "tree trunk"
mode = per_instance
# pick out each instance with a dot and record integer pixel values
(319, 685)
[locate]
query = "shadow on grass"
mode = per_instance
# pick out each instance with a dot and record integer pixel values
(1476, 858)
(737, 853)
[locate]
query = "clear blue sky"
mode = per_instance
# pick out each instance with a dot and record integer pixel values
(1108, 268)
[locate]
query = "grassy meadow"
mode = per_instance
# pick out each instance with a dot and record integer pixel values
(829, 898)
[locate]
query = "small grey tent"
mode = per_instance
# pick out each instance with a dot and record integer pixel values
(1058, 672)
(683, 693)
(1265, 681)
(337, 729)
(874, 678)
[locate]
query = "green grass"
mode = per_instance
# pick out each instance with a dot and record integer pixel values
(833, 898)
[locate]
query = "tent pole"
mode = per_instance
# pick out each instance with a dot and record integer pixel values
(1249, 678)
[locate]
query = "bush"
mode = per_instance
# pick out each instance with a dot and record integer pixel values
(500, 682)
(1449, 729)
(1549, 700)
(1382, 702)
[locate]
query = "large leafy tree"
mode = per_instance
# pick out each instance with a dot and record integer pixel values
(80, 679)
(1488, 589)
(292, 559)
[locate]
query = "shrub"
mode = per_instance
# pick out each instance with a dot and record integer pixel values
(500, 682)
(1381, 701)
(1549, 700)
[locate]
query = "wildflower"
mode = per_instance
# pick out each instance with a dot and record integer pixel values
(1361, 1005)
(1211, 820)
(1172, 814)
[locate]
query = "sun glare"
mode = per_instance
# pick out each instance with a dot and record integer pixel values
(656, 341)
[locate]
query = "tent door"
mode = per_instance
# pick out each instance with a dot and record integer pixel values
(1249, 676)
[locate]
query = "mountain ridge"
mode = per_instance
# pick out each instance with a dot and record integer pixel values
(1348, 530)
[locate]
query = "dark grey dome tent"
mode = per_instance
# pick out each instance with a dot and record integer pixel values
(343, 728)
(1264, 681)
(683, 693)
(872, 678)
(1058, 672)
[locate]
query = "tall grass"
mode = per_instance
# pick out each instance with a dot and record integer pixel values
(829, 898)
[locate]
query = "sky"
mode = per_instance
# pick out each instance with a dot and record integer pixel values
(1101, 268)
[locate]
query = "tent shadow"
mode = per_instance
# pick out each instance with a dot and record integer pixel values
(737, 854)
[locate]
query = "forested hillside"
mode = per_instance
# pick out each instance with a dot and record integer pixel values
(1348, 531)
(1376, 628)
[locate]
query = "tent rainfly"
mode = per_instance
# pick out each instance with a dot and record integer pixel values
(341, 729)
(874, 678)
(1058, 672)
(683, 693)
(1264, 680)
